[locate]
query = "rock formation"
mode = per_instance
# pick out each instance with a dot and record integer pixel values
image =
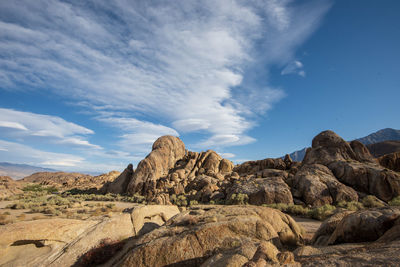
(71, 180)
(212, 236)
(391, 161)
(9, 187)
(61, 242)
(353, 165)
(316, 185)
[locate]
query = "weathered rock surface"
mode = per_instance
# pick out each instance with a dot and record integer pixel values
(148, 218)
(365, 225)
(375, 254)
(201, 233)
(391, 161)
(9, 187)
(66, 180)
(166, 151)
(61, 242)
(252, 167)
(353, 165)
(120, 184)
(328, 147)
(264, 190)
(316, 185)
(326, 229)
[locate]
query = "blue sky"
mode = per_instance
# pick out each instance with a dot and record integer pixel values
(88, 86)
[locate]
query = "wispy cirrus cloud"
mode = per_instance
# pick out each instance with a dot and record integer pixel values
(182, 67)
(294, 67)
(55, 129)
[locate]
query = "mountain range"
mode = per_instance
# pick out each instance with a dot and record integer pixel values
(19, 171)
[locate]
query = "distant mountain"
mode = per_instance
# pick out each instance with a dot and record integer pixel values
(19, 171)
(299, 154)
(387, 134)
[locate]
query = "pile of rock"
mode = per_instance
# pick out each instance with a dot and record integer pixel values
(332, 171)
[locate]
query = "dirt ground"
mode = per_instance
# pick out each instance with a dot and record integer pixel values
(309, 225)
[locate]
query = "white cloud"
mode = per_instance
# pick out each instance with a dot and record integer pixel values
(227, 155)
(189, 64)
(13, 125)
(15, 152)
(294, 67)
(137, 136)
(53, 128)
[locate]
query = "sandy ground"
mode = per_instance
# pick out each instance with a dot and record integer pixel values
(309, 225)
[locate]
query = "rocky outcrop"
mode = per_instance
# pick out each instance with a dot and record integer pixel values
(328, 147)
(120, 184)
(263, 190)
(171, 170)
(71, 180)
(316, 185)
(62, 242)
(326, 229)
(220, 233)
(252, 167)
(166, 151)
(9, 187)
(391, 161)
(365, 225)
(353, 165)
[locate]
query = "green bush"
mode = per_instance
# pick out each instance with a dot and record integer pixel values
(372, 202)
(395, 201)
(351, 205)
(323, 212)
(39, 188)
(238, 199)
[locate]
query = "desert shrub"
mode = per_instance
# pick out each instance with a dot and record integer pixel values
(181, 200)
(238, 199)
(351, 205)
(39, 188)
(193, 202)
(6, 213)
(395, 201)
(372, 202)
(323, 212)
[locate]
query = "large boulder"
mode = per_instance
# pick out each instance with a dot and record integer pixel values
(62, 242)
(391, 161)
(147, 218)
(365, 225)
(328, 147)
(194, 236)
(251, 167)
(316, 185)
(120, 184)
(326, 229)
(263, 190)
(353, 165)
(166, 151)
(9, 187)
(369, 178)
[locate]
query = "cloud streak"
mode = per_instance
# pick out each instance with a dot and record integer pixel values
(185, 67)
(26, 124)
